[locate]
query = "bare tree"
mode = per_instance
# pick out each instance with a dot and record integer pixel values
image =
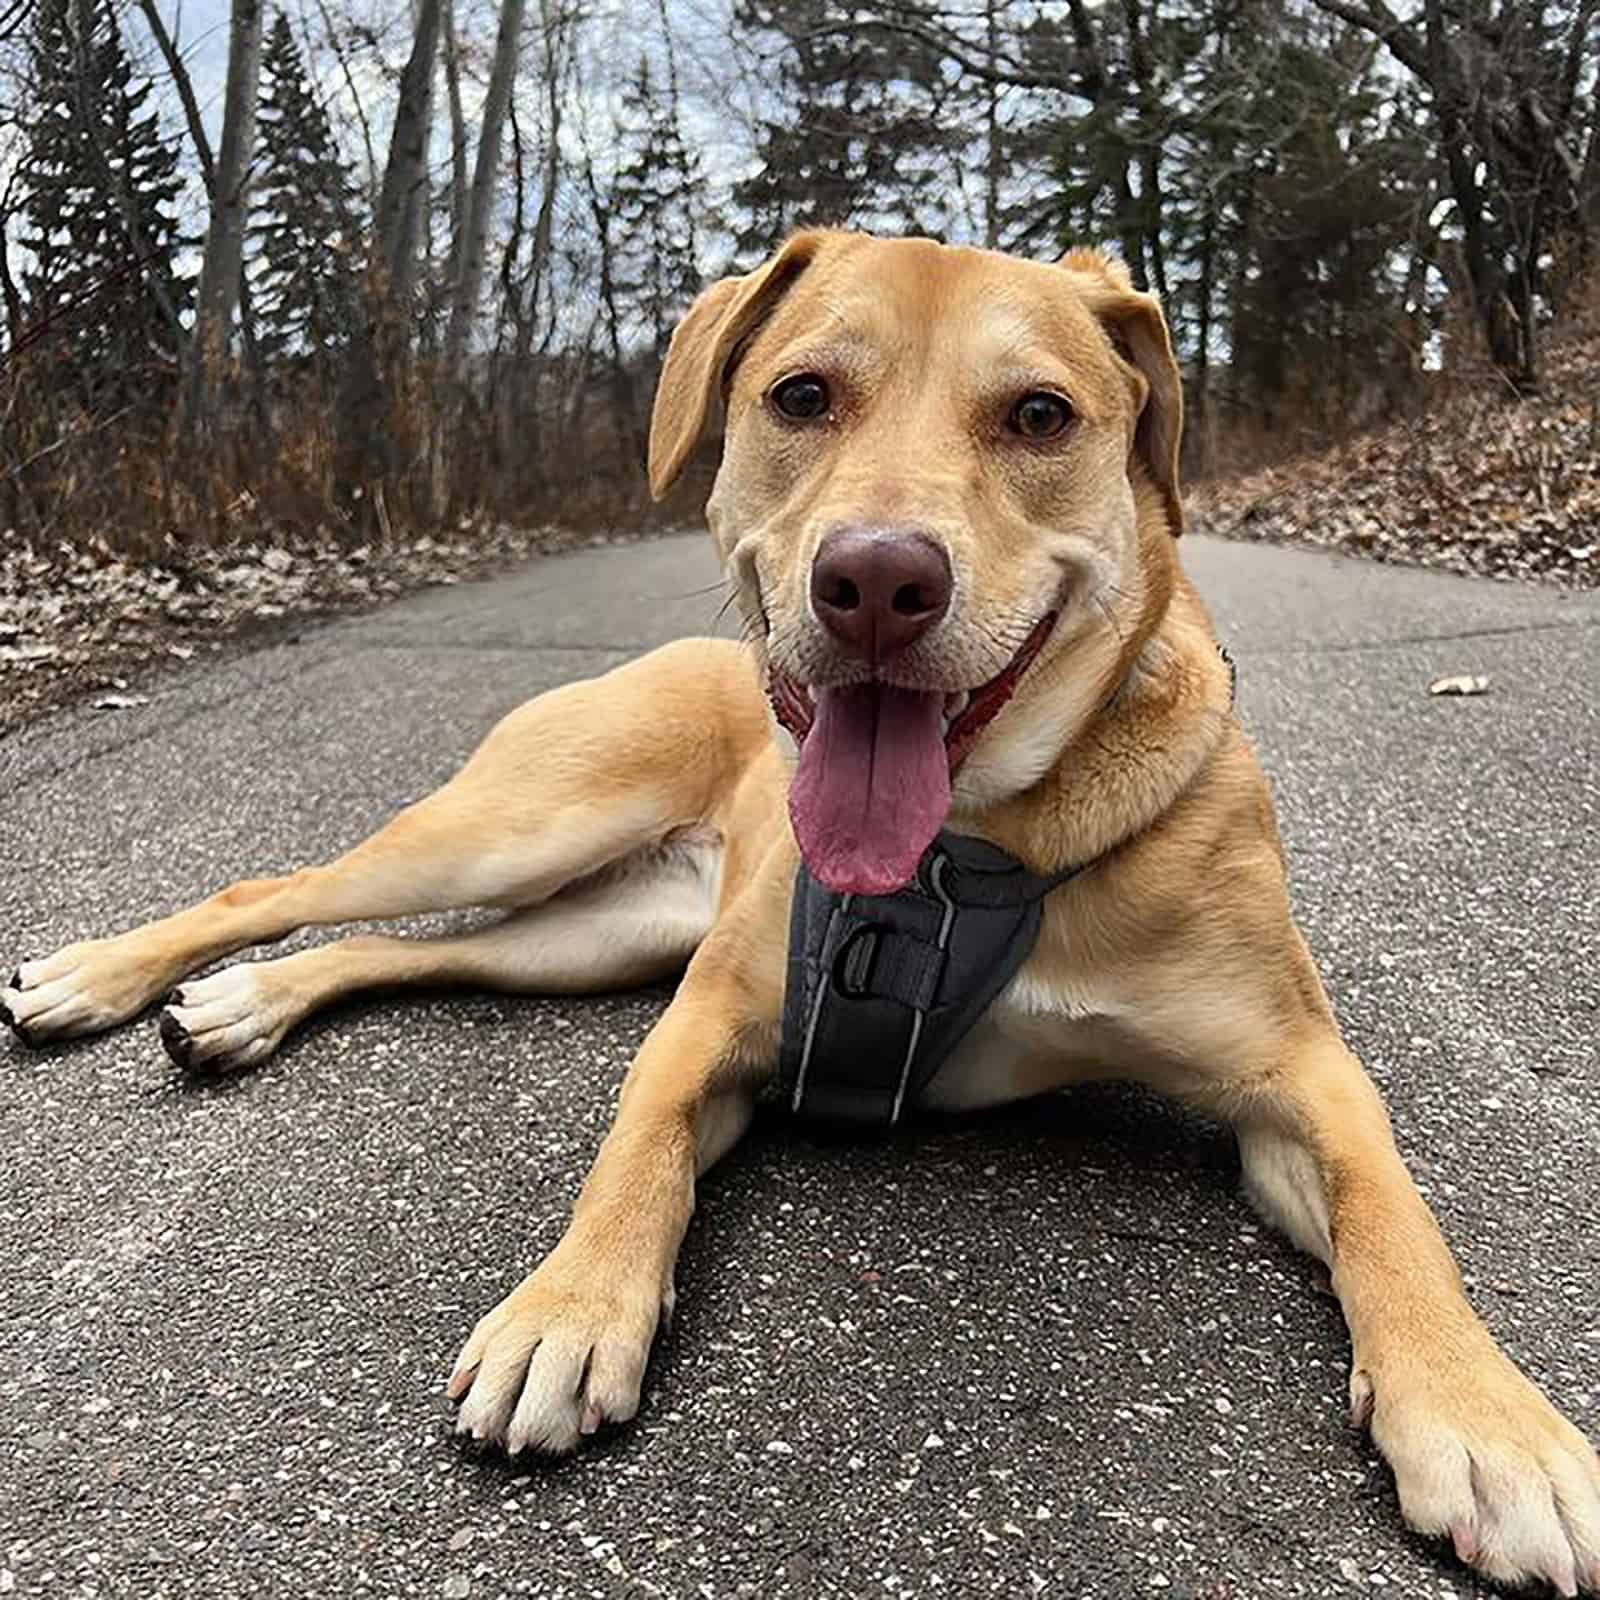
(218, 293)
(469, 260)
(1503, 82)
(183, 84)
(336, 44)
(458, 143)
(371, 452)
(405, 174)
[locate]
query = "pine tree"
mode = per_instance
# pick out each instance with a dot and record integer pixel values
(658, 201)
(99, 235)
(857, 135)
(1300, 197)
(305, 239)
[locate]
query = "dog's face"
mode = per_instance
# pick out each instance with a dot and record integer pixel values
(946, 498)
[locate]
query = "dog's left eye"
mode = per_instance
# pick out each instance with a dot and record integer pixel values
(1040, 415)
(802, 398)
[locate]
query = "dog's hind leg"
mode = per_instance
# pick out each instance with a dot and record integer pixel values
(581, 777)
(626, 927)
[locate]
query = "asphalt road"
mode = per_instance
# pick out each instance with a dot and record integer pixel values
(1042, 1352)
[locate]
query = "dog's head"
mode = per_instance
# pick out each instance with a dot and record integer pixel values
(947, 497)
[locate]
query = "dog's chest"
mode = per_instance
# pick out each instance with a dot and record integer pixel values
(1036, 1037)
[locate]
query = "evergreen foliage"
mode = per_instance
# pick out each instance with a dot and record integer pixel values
(658, 208)
(99, 235)
(307, 236)
(857, 133)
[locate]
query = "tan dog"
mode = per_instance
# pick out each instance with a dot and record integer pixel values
(947, 504)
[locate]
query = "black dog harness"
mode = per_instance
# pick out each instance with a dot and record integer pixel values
(881, 988)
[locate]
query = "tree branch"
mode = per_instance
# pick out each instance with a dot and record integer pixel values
(1011, 74)
(1377, 19)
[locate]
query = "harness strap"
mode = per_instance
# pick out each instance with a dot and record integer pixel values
(881, 988)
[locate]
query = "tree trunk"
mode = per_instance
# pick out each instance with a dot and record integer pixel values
(184, 84)
(218, 294)
(1493, 198)
(405, 174)
(1508, 345)
(458, 143)
(553, 26)
(469, 274)
(369, 452)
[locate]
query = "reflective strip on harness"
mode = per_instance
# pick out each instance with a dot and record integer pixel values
(881, 988)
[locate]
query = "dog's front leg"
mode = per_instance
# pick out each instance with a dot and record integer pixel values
(566, 1350)
(1479, 1455)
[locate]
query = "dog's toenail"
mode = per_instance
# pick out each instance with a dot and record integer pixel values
(16, 1027)
(175, 998)
(176, 1039)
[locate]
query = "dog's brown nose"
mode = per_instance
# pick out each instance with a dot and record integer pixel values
(878, 592)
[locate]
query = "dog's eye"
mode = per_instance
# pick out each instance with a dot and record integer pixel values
(1040, 415)
(802, 398)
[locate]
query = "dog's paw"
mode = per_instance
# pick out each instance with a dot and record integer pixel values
(82, 988)
(559, 1356)
(235, 1018)
(1481, 1458)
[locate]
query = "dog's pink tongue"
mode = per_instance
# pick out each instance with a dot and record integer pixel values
(872, 788)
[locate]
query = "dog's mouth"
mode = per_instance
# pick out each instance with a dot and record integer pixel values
(872, 788)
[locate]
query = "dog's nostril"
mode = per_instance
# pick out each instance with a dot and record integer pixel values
(910, 601)
(842, 595)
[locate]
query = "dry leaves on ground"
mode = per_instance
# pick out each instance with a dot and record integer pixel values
(78, 619)
(1481, 483)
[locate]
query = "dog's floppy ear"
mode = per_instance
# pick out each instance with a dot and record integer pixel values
(1139, 332)
(703, 347)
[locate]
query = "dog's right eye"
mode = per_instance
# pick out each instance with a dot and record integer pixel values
(802, 398)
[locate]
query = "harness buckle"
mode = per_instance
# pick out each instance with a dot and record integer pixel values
(858, 955)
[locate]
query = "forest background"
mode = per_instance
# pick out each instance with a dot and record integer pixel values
(348, 271)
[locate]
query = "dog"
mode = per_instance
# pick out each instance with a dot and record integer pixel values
(948, 506)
